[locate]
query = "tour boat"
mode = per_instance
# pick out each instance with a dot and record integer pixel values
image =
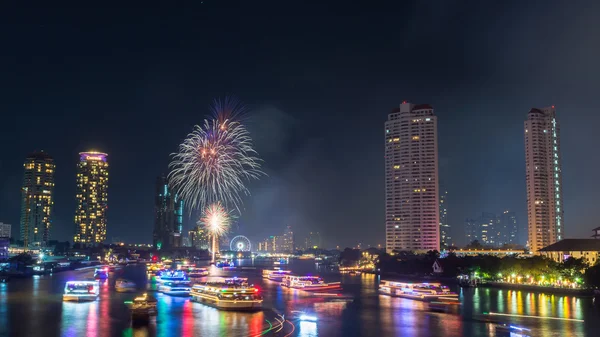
(308, 283)
(175, 288)
(81, 291)
(171, 276)
(416, 291)
(122, 286)
(144, 304)
(228, 294)
(101, 273)
(275, 275)
(197, 272)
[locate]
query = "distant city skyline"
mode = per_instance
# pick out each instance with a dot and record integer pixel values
(168, 216)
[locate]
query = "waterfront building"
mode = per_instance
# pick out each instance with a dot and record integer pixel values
(411, 179)
(313, 241)
(500, 252)
(445, 238)
(199, 237)
(168, 216)
(493, 230)
(4, 247)
(37, 199)
(507, 231)
(545, 205)
(272, 244)
(92, 198)
(5, 230)
(586, 249)
(287, 245)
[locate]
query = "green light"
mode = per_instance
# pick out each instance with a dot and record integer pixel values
(128, 302)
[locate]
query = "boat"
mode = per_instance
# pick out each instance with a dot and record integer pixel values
(144, 304)
(197, 272)
(416, 291)
(228, 294)
(101, 273)
(180, 288)
(224, 264)
(81, 291)
(276, 274)
(123, 286)
(172, 276)
(511, 330)
(308, 283)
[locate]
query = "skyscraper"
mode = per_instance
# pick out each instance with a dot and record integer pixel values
(168, 216)
(36, 199)
(507, 228)
(92, 197)
(288, 241)
(411, 179)
(313, 240)
(445, 238)
(199, 237)
(544, 178)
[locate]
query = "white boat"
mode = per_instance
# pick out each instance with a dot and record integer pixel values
(81, 291)
(123, 286)
(175, 288)
(101, 273)
(197, 272)
(416, 291)
(308, 283)
(276, 274)
(172, 276)
(228, 294)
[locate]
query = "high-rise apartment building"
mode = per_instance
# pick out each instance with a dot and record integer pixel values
(411, 179)
(445, 238)
(92, 198)
(493, 230)
(199, 237)
(5, 230)
(37, 199)
(288, 241)
(545, 206)
(508, 227)
(168, 216)
(313, 240)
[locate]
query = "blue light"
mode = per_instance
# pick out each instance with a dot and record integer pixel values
(308, 318)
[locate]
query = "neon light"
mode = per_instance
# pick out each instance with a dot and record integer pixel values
(309, 318)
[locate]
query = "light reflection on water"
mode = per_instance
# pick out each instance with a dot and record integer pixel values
(370, 314)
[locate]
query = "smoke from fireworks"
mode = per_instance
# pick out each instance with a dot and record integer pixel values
(216, 219)
(216, 160)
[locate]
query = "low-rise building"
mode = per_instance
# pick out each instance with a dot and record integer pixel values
(587, 249)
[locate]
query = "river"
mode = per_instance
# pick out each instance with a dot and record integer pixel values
(34, 307)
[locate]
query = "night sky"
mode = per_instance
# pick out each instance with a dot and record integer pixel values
(320, 80)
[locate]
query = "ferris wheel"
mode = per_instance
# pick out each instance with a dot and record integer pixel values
(240, 243)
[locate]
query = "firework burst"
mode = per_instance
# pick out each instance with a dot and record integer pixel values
(216, 160)
(216, 219)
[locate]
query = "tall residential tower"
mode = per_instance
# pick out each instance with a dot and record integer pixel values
(544, 178)
(92, 196)
(168, 216)
(36, 199)
(411, 179)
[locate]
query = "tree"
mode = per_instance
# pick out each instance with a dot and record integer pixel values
(474, 245)
(592, 276)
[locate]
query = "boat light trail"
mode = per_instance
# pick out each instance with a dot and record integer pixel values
(538, 317)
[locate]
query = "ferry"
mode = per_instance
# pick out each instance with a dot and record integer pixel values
(197, 272)
(308, 283)
(122, 286)
(81, 291)
(417, 291)
(175, 288)
(225, 264)
(172, 276)
(101, 273)
(275, 275)
(228, 294)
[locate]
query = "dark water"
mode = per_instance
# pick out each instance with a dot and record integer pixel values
(34, 307)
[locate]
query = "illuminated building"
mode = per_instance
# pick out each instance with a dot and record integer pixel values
(411, 179)
(168, 216)
(482, 229)
(445, 238)
(5, 230)
(544, 178)
(37, 199)
(92, 197)
(507, 228)
(313, 240)
(199, 237)
(586, 249)
(272, 244)
(288, 241)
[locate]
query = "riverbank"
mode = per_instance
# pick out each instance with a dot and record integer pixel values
(549, 290)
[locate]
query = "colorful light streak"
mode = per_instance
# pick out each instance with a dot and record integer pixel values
(537, 317)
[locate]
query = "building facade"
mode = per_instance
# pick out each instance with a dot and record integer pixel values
(544, 178)
(92, 198)
(445, 237)
(168, 216)
(493, 230)
(37, 199)
(586, 249)
(199, 238)
(313, 241)
(411, 179)
(508, 228)
(288, 245)
(5, 230)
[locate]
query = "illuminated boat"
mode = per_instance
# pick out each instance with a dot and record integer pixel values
(123, 286)
(275, 275)
(225, 264)
(308, 283)
(175, 288)
(197, 272)
(101, 273)
(81, 291)
(228, 294)
(417, 291)
(172, 276)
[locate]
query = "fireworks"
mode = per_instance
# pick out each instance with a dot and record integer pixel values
(216, 160)
(216, 219)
